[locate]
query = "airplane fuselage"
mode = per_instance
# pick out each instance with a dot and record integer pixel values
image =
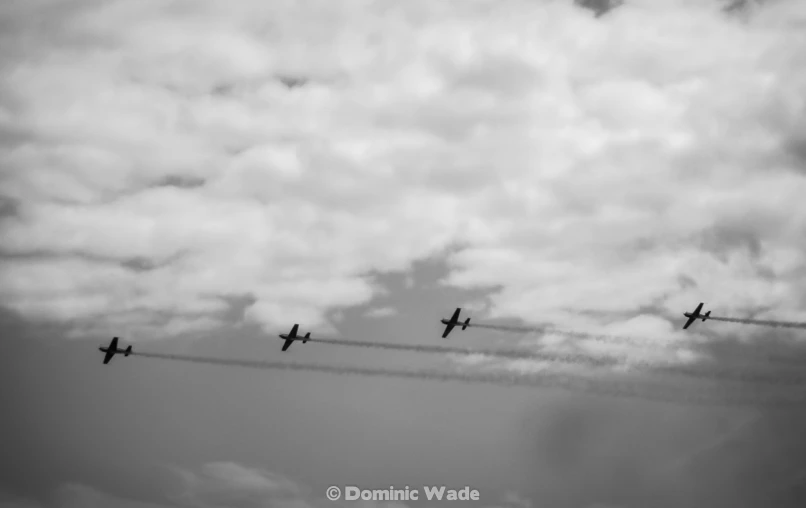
(112, 349)
(696, 316)
(303, 338)
(292, 337)
(452, 322)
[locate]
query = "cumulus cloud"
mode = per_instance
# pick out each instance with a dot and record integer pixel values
(162, 159)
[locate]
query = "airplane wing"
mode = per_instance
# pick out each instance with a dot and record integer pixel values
(287, 343)
(452, 322)
(693, 316)
(114, 344)
(293, 332)
(108, 356)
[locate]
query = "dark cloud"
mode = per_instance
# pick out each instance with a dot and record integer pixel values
(181, 181)
(33, 28)
(796, 147)
(599, 7)
(8, 207)
(725, 237)
(737, 6)
(633, 454)
(292, 81)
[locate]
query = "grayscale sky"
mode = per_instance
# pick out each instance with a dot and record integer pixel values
(196, 176)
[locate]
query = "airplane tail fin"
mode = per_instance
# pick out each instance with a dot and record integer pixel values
(467, 322)
(707, 315)
(307, 336)
(128, 351)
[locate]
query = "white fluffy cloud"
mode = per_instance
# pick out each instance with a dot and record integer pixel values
(162, 158)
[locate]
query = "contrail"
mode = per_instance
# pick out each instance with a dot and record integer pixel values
(514, 354)
(622, 339)
(723, 374)
(701, 372)
(564, 382)
(758, 353)
(776, 324)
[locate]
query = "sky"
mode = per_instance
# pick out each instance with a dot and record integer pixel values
(196, 176)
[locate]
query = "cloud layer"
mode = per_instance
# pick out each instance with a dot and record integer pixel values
(158, 160)
(227, 484)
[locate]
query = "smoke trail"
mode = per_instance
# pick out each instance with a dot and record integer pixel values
(514, 354)
(722, 374)
(613, 339)
(758, 353)
(776, 324)
(701, 372)
(540, 380)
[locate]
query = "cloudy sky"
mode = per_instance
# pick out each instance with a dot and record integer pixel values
(197, 176)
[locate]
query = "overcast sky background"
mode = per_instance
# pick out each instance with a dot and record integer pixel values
(196, 176)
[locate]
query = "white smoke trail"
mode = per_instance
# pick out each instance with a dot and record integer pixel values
(702, 372)
(515, 354)
(773, 323)
(538, 380)
(750, 352)
(610, 339)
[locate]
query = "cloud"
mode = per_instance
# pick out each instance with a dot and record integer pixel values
(624, 454)
(379, 312)
(81, 496)
(165, 158)
(232, 485)
(73, 495)
(222, 485)
(15, 502)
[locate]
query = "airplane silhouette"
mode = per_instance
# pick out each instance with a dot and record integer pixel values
(453, 322)
(693, 316)
(112, 349)
(292, 336)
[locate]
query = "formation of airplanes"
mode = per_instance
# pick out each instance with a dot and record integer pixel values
(112, 349)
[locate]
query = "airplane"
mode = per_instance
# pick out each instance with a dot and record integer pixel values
(693, 316)
(112, 349)
(292, 336)
(453, 322)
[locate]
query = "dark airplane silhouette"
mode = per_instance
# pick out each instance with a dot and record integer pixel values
(292, 336)
(453, 322)
(693, 316)
(112, 349)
